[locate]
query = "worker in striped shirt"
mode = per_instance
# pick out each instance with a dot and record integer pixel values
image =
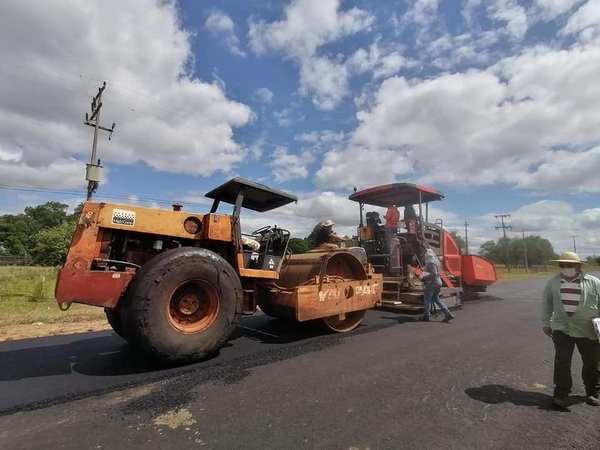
(571, 302)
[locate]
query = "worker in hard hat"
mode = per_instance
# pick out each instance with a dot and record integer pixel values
(324, 235)
(432, 285)
(570, 305)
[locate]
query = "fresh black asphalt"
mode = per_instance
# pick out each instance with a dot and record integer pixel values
(483, 381)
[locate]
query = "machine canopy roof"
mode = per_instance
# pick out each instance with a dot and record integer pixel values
(399, 194)
(257, 197)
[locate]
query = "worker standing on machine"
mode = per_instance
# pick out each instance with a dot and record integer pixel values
(323, 236)
(410, 219)
(392, 217)
(432, 284)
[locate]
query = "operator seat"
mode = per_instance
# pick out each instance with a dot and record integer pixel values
(250, 243)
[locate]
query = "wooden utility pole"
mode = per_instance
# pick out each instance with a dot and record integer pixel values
(466, 237)
(574, 243)
(504, 227)
(525, 252)
(93, 173)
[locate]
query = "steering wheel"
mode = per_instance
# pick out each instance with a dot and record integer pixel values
(262, 230)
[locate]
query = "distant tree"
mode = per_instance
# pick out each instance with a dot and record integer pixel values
(52, 244)
(299, 245)
(77, 211)
(19, 233)
(539, 250)
(459, 241)
(491, 251)
(48, 215)
(15, 234)
(593, 260)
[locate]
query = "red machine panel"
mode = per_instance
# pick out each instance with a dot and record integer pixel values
(97, 288)
(478, 271)
(451, 255)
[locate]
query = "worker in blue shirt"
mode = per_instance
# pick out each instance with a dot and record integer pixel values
(432, 285)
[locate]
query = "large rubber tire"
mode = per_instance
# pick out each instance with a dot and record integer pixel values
(114, 320)
(162, 330)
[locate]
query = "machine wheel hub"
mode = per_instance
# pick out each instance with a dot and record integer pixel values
(193, 307)
(188, 304)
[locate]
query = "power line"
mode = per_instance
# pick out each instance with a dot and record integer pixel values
(82, 193)
(525, 252)
(502, 225)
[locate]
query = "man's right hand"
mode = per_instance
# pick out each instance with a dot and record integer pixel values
(547, 331)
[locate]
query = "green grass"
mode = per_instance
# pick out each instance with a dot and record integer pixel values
(519, 273)
(27, 296)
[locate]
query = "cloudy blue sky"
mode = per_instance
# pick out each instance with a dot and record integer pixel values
(496, 103)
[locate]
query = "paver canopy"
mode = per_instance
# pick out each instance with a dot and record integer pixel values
(399, 194)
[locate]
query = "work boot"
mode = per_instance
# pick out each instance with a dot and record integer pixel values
(560, 402)
(593, 400)
(448, 317)
(423, 319)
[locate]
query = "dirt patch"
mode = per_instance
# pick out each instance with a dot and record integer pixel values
(175, 419)
(40, 329)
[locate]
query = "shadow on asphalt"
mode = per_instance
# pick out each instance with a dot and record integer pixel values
(111, 356)
(280, 331)
(496, 394)
(481, 299)
(105, 355)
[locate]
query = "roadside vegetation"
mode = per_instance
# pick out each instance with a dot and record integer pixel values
(519, 273)
(28, 308)
(41, 235)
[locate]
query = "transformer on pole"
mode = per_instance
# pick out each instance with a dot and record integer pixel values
(93, 172)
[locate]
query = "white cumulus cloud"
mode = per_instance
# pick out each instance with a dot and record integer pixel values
(585, 21)
(166, 117)
(307, 26)
(525, 121)
(265, 95)
(220, 24)
(559, 221)
(289, 166)
(512, 14)
(550, 9)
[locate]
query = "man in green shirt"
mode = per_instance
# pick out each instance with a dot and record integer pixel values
(571, 302)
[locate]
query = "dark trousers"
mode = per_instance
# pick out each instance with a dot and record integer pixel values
(590, 354)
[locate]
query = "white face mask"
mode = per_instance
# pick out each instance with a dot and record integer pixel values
(568, 272)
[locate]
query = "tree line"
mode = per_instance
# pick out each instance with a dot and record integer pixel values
(42, 233)
(510, 250)
(535, 250)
